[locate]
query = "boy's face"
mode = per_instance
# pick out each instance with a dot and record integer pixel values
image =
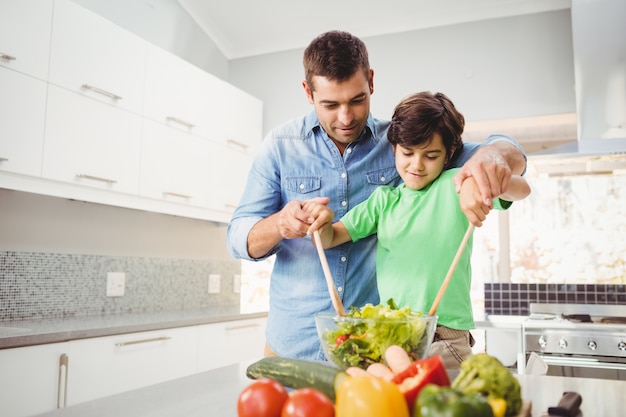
(342, 107)
(422, 164)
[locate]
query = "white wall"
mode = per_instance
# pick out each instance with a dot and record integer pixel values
(495, 69)
(37, 223)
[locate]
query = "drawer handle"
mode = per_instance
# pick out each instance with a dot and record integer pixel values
(185, 123)
(101, 91)
(237, 143)
(7, 56)
(243, 326)
(4, 159)
(137, 342)
(64, 364)
(179, 195)
(92, 177)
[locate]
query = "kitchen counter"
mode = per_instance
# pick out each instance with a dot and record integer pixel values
(21, 333)
(215, 393)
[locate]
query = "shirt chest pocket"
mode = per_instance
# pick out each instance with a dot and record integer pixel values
(302, 185)
(383, 176)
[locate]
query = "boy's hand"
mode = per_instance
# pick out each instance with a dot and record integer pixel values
(320, 215)
(472, 203)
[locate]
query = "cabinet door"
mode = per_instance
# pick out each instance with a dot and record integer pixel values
(229, 169)
(221, 344)
(92, 56)
(109, 365)
(22, 114)
(31, 379)
(25, 36)
(174, 165)
(240, 117)
(91, 143)
(180, 94)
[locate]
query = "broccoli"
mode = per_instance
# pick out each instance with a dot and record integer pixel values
(485, 374)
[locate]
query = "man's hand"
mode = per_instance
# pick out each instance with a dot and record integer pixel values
(294, 221)
(491, 167)
(291, 222)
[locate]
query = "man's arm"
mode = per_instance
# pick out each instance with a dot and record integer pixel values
(491, 166)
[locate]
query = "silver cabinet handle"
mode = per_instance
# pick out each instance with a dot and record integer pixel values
(92, 177)
(7, 56)
(237, 143)
(179, 195)
(64, 363)
(101, 91)
(185, 123)
(242, 326)
(137, 342)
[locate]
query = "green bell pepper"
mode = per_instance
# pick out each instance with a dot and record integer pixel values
(436, 401)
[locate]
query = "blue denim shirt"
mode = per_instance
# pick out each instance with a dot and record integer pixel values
(298, 161)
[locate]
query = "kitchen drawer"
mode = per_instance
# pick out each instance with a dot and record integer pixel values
(221, 344)
(104, 366)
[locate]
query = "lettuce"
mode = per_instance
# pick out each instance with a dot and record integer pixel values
(361, 343)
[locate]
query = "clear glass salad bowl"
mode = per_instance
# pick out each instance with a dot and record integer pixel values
(360, 341)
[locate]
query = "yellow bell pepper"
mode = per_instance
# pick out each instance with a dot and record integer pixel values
(369, 396)
(498, 406)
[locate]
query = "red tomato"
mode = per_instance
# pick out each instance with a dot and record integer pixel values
(308, 402)
(262, 398)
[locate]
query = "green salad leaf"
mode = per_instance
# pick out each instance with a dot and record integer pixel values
(364, 342)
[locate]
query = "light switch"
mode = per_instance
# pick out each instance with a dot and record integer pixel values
(214, 284)
(236, 283)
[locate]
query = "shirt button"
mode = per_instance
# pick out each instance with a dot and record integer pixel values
(349, 150)
(344, 203)
(343, 175)
(382, 179)
(339, 289)
(343, 259)
(302, 186)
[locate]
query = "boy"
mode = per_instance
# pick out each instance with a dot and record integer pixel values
(420, 223)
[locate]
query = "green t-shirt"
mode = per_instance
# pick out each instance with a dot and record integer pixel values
(419, 232)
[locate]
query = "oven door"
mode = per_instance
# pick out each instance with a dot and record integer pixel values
(585, 366)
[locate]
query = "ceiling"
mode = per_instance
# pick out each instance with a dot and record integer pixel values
(243, 28)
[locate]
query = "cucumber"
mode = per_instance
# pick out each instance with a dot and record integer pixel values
(298, 373)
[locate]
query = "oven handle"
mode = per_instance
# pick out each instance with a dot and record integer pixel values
(582, 363)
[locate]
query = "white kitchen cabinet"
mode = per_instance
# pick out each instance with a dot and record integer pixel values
(104, 366)
(221, 344)
(92, 56)
(91, 143)
(25, 36)
(174, 165)
(32, 379)
(22, 116)
(180, 94)
(240, 117)
(229, 170)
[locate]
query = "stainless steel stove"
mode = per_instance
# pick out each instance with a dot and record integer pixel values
(578, 340)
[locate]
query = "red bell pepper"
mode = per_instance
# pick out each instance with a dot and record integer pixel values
(419, 373)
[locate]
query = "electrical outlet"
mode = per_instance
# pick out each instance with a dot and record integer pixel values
(116, 283)
(214, 283)
(236, 283)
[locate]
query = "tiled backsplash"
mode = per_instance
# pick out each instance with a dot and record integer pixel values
(515, 299)
(44, 285)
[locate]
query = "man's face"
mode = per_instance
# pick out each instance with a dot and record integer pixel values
(342, 108)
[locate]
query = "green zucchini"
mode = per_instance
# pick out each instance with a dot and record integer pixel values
(298, 373)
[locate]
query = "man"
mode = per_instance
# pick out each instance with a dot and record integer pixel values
(338, 154)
